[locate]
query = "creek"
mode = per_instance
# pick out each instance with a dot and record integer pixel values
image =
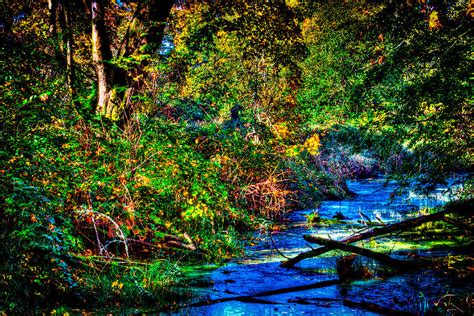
(260, 271)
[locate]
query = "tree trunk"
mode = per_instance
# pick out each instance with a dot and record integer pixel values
(111, 102)
(52, 6)
(68, 42)
(157, 12)
(100, 54)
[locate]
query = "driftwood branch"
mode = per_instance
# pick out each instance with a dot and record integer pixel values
(460, 207)
(383, 258)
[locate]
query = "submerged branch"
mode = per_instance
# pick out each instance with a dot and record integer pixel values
(246, 298)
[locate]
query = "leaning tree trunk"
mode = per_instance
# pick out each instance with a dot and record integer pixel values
(100, 54)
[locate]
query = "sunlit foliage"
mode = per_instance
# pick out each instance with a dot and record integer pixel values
(238, 111)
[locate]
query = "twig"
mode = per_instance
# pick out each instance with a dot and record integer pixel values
(276, 248)
(369, 221)
(117, 227)
(143, 162)
(99, 244)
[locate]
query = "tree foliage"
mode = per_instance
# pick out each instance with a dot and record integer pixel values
(227, 114)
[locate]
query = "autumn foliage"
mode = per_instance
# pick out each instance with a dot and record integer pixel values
(233, 113)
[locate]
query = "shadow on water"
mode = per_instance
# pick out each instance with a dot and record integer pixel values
(251, 285)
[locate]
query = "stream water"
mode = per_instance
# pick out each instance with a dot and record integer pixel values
(260, 271)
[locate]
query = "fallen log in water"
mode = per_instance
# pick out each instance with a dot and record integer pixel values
(383, 258)
(249, 298)
(460, 207)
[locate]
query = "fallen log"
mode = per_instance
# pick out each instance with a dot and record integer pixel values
(383, 258)
(177, 242)
(170, 241)
(248, 298)
(460, 207)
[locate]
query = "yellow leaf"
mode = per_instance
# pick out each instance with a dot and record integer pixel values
(433, 22)
(312, 144)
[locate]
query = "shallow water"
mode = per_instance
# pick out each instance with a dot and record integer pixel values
(259, 271)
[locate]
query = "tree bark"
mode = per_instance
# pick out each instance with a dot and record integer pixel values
(170, 241)
(52, 6)
(157, 12)
(111, 103)
(101, 53)
(460, 207)
(68, 42)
